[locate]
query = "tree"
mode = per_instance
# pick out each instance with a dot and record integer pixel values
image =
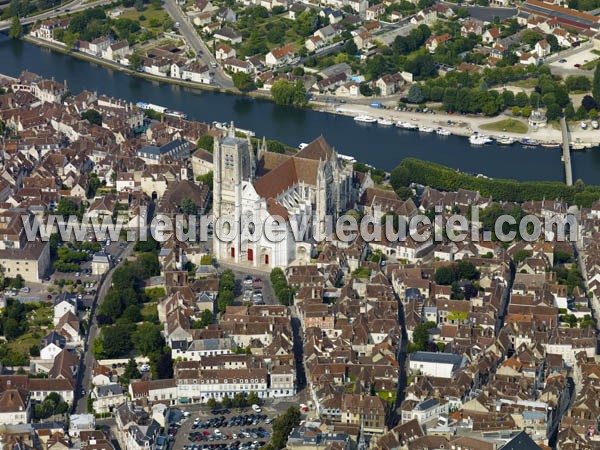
(206, 142)
(596, 84)
(135, 61)
(132, 314)
(521, 255)
(226, 298)
(226, 402)
(66, 207)
(283, 425)
(243, 81)
(287, 93)
(420, 337)
(211, 403)
(92, 116)
(588, 102)
(444, 275)
(116, 340)
(253, 399)
(189, 207)
(163, 364)
(415, 93)
(553, 111)
(206, 179)
(365, 89)
(34, 350)
(206, 318)
(569, 111)
(11, 328)
(147, 338)
(16, 29)
(131, 371)
(467, 270)
(97, 348)
(350, 47)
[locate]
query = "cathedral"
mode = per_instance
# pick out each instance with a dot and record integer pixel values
(252, 190)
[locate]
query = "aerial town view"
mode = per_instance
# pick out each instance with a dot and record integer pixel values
(299, 224)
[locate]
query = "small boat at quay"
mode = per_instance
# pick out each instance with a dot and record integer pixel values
(407, 125)
(528, 142)
(365, 119)
(505, 140)
(480, 139)
(384, 122)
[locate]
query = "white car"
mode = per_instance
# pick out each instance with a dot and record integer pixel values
(234, 436)
(256, 408)
(218, 432)
(145, 367)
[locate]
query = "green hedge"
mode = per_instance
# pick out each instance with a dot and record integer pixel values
(412, 170)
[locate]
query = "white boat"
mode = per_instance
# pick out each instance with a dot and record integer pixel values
(424, 129)
(550, 144)
(384, 122)
(406, 125)
(583, 125)
(151, 106)
(365, 119)
(302, 145)
(505, 140)
(442, 131)
(178, 114)
(595, 124)
(479, 139)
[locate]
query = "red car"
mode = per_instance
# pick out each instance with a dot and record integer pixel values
(578, 65)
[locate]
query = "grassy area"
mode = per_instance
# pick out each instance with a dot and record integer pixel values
(24, 343)
(387, 396)
(149, 311)
(591, 65)
(152, 18)
(527, 83)
(42, 316)
(510, 125)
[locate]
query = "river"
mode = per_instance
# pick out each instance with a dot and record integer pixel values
(380, 147)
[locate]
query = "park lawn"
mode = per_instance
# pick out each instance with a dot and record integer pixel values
(509, 125)
(527, 83)
(42, 316)
(149, 310)
(24, 342)
(149, 14)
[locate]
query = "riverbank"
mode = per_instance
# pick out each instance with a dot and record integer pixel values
(378, 146)
(465, 126)
(457, 125)
(144, 75)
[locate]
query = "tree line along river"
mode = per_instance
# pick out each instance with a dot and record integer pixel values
(382, 147)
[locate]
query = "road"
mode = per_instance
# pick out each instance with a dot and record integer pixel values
(85, 375)
(197, 44)
(566, 158)
(74, 6)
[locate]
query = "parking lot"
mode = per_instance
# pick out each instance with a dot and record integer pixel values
(231, 429)
(573, 60)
